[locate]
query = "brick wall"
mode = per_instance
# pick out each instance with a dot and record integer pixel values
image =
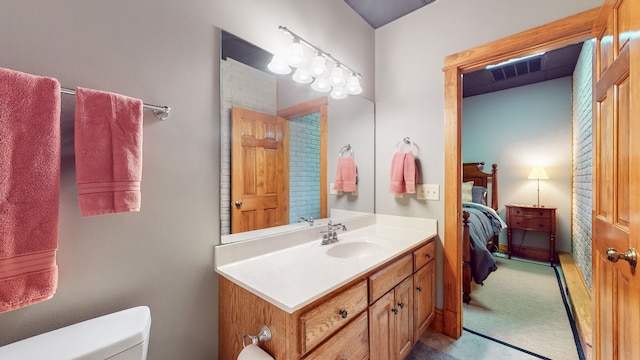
(582, 162)
(304, 167)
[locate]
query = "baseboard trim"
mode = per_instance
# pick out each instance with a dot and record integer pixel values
(438, 321)
(580, 301)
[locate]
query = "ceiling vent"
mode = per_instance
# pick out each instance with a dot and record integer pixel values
(519, 68)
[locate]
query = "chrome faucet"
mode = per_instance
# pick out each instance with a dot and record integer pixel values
(303, 219)
(331, 235)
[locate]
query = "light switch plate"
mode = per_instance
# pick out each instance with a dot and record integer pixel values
(432, 191)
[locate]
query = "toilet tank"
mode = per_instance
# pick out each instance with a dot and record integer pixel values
(123, 335)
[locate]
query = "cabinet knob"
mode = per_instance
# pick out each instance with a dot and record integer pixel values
(395, 311)
(427, 255)
(401, 305)
(343, 313)
(419, 288)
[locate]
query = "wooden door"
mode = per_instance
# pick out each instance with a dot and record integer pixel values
(616, 216)
(382, 328)
(404, 318)
(259, 171)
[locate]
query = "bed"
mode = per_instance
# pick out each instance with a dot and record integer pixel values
(481, 224)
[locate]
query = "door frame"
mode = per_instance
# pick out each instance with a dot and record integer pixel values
(547, 37)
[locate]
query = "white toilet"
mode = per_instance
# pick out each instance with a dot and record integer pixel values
(123, 335)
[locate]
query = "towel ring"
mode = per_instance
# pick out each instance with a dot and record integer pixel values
(346, 148)
(407, 140)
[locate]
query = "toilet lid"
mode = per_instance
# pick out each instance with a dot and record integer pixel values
(97, 338)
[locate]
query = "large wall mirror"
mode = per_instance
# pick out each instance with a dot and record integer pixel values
(267, 117)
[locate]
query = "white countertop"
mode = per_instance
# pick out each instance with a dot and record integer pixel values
(294, 269)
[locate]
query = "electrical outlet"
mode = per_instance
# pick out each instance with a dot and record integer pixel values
(432, 191)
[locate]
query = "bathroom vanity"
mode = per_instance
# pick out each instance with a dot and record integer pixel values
(369, 296)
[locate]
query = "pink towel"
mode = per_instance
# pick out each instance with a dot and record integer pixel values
(397, 173)
(346, 175)
(108, 146)
(410, 173)
(404, 173)
(29, 188)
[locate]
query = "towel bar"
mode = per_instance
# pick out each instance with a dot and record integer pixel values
(161, 112)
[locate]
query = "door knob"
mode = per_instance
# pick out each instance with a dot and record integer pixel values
(238, 203)
(630, 256)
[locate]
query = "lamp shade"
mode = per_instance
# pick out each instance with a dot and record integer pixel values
(338, 93)
(336, 78)
(321, 84)
(318, 66)
(353, 85)
(302, 76)
(538, 173)
(278, 65)
(295, 54)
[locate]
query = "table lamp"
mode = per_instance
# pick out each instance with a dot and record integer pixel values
(538, 173)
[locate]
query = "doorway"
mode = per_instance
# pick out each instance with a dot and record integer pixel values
(560, 33)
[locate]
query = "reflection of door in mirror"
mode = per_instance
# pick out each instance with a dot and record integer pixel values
(259, 170)
(251, 87)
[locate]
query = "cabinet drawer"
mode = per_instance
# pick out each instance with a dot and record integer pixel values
(322, 321)
(527, 212)
(530, 223)
(424, 254)
(386, 279)
(352, 342)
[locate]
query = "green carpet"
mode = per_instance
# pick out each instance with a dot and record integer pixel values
(521, 304)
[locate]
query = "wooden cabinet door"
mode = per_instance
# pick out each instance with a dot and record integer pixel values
(382, 328)
(259, 170)
(403, 318)
(616, 189)
(424, 299)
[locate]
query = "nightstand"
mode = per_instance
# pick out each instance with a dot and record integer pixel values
(534, 218)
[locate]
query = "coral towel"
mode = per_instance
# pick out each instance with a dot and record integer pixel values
(346, 175)
(108, 147)
(29, 188)
(404, 173)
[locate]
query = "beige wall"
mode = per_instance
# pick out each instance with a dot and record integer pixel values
(410, 88)
(166, 53)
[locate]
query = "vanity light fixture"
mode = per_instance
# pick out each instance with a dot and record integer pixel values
(341, 81)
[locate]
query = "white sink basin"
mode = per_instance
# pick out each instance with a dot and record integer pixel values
(357, 249)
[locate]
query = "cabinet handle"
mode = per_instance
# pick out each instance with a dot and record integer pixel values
(401, 305)
(428, 255)
(343, 313)
(395, 311)
(419, 288)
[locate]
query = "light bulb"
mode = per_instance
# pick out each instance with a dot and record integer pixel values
(353, 85)
(337, 76)
(302, 76)
(278, 66)
(338, 93)
(318, 66)
(295, 54)
(321, 84)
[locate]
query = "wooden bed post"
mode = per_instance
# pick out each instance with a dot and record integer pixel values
(494, 187)
(466, 259)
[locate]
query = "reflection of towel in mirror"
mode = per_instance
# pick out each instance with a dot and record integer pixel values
(346, 175)
(404, 173)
